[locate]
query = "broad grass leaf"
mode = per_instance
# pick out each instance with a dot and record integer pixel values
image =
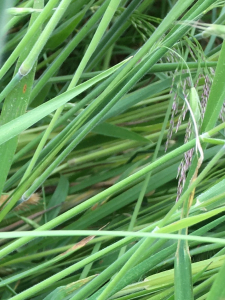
(63, 31)
(217, 291)
(119, 132)
(133, 98)
(58, 198)
(214, 191)
(125, 198)
(16, 102)
(4, 4)
(63, 292)
(16, 126)
(189, 221)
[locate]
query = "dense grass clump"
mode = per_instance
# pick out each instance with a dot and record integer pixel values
(112, 149)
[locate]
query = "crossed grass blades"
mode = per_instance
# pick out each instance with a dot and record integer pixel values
(92, 92)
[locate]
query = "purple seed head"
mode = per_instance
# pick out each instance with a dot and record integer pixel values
(186, 162)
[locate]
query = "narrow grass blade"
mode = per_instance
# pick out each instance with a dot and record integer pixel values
(217, 290)
(16, 103)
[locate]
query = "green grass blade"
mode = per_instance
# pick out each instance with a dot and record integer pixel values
(217, 290)
(16, 103)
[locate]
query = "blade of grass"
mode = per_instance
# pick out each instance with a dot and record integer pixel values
(16, 103)
(58, 61)
(60, 219)
(38, 22)
(217, 290)
(34, 52)
(110, 11)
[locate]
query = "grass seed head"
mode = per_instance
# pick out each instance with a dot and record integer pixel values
(214, 29)
(207, 29)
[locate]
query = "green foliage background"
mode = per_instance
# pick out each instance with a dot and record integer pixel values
(91, 95)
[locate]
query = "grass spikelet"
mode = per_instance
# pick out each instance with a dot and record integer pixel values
(207, 29)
